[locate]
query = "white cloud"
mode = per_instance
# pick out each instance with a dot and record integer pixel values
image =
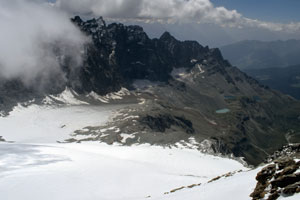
(169, 11)
(29, 32)
(292, 27)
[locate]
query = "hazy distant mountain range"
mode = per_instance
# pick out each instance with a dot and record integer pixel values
(286, 80)
(251, 54)
(275, 64)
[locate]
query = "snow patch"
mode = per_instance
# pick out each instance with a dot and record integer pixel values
(194, 61)
(67, 97)
(180, 73)
(126, 136)
(97, 97)
(142, 101)
(205, 146)
(111, 96)
(200, 67)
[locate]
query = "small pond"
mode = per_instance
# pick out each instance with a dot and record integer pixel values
(222, 111)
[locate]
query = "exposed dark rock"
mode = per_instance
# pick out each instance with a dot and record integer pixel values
(274, 196)
(2, 139)
(162, 122)
(120, 54)
(194, 185)
(175, 190)
(259, 191)
(291, 189)
(286, 180)
(215, 179)
(289, 169)
(284, 162)
(283, 154)
(266, 173)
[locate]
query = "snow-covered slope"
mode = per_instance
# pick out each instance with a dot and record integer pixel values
(93, 171)
(58, 116)
(34, 166)
(236, 187)
(51, 123)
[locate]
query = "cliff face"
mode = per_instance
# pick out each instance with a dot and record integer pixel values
(120, 54)
(188, 93)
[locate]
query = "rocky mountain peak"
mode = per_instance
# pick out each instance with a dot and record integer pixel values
(77, 19)
(132, 55)
(100, 21)
(216, 53)
(166, 36)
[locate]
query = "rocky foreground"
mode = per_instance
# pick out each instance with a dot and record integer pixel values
(282, 177)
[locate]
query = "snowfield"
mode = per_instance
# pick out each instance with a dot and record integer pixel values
(51, 123)
(93, 171)
(33, 166)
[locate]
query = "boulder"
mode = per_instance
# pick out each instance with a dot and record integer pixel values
(287, 170)
(286, 180)
(259, 191)
(266, 173)
(273, 196)
(291, 189)
(284, 162)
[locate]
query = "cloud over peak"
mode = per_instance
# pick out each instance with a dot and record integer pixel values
(31, 35)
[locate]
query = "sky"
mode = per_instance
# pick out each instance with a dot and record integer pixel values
(268, 10)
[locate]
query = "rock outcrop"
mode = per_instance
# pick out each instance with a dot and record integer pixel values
(282, 178)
